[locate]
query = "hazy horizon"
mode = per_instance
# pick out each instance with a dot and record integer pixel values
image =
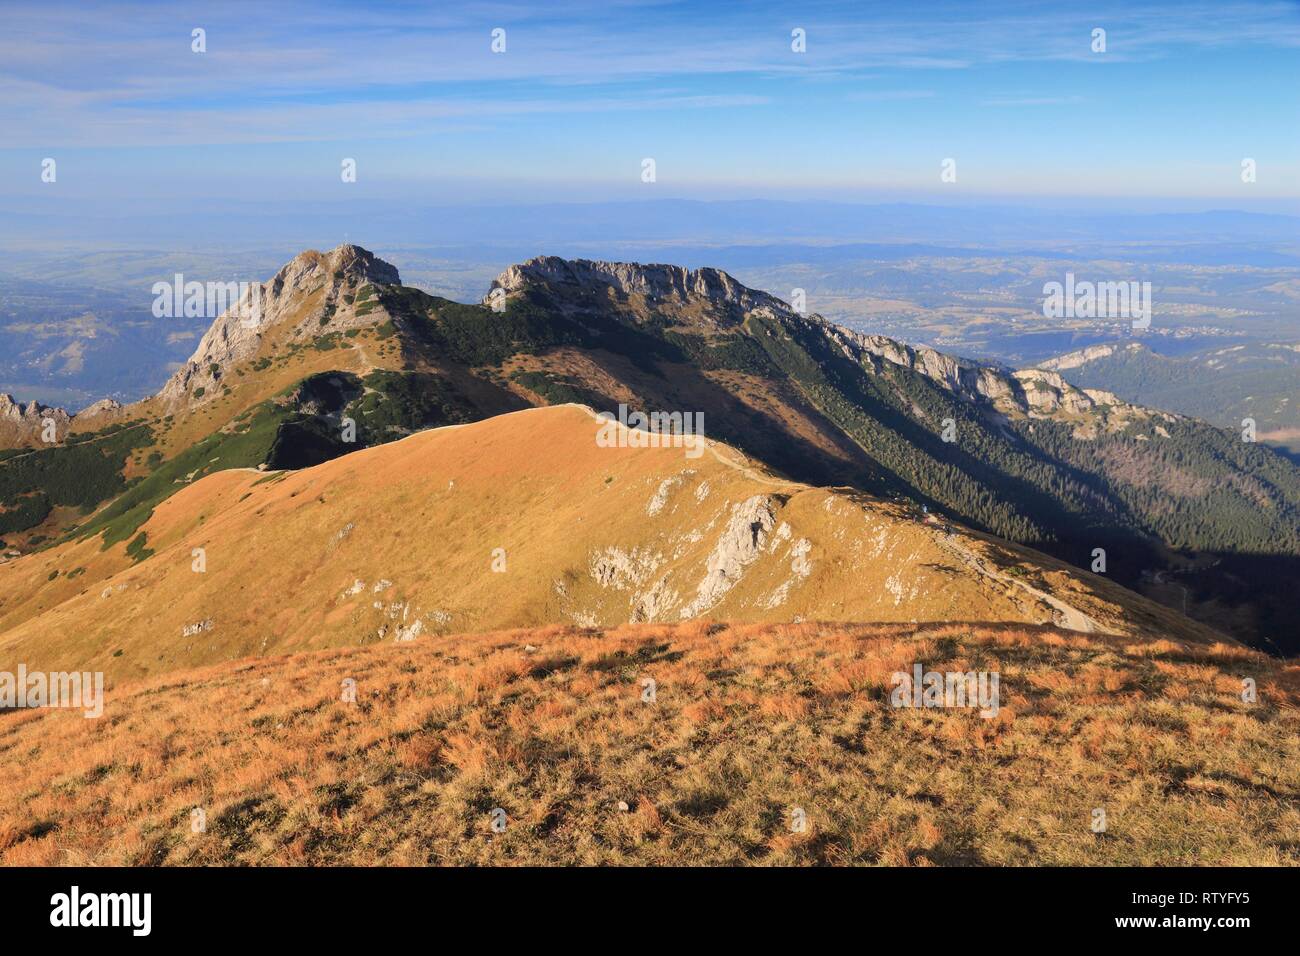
(858, 103)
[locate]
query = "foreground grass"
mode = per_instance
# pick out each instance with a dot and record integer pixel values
(749, 723)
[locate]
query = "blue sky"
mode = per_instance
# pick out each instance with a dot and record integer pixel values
(712, 92)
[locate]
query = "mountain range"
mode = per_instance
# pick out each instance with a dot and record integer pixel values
(343, 357)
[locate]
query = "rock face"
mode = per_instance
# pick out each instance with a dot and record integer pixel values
(966, 378)
(1033, 392)
(104, 408)
(1090, 354)
(741, 543)
(727, 301)
(713, 300)
(26, 424)
(287, 298)
(1046, 392)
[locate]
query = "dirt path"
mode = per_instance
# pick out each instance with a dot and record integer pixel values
(1068, 616)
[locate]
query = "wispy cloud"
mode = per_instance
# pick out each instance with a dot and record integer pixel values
(93, 70)
(127, 125)
(588, 87)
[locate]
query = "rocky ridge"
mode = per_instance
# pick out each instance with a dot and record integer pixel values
(1090, 354)
(22, 425)
(313, 286)
(664, 286)
(724, 303)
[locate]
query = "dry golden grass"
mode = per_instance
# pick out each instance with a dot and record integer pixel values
(748, 723)
(417, 523)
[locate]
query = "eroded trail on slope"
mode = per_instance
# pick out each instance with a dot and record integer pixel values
(1068, 616)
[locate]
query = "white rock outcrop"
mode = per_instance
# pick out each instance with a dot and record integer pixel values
(740, 544)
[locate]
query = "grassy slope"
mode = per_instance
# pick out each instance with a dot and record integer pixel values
(417, 523)
(749, 722)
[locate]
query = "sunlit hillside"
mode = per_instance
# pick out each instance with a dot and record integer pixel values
(521, 520)
(688, 744)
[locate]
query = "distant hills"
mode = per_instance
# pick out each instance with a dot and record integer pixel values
(1263, 238)
(1223, 385)
(1025, 456)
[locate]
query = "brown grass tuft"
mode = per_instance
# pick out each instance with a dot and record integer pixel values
(750, 721)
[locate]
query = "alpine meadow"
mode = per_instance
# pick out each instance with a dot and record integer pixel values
(649, 435)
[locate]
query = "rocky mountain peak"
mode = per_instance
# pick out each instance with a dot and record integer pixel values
(347, 260)
(26, 424)
(658, 285)
(328, 280)
(11, 409)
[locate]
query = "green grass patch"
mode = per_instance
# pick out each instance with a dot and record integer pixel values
(136, 550)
